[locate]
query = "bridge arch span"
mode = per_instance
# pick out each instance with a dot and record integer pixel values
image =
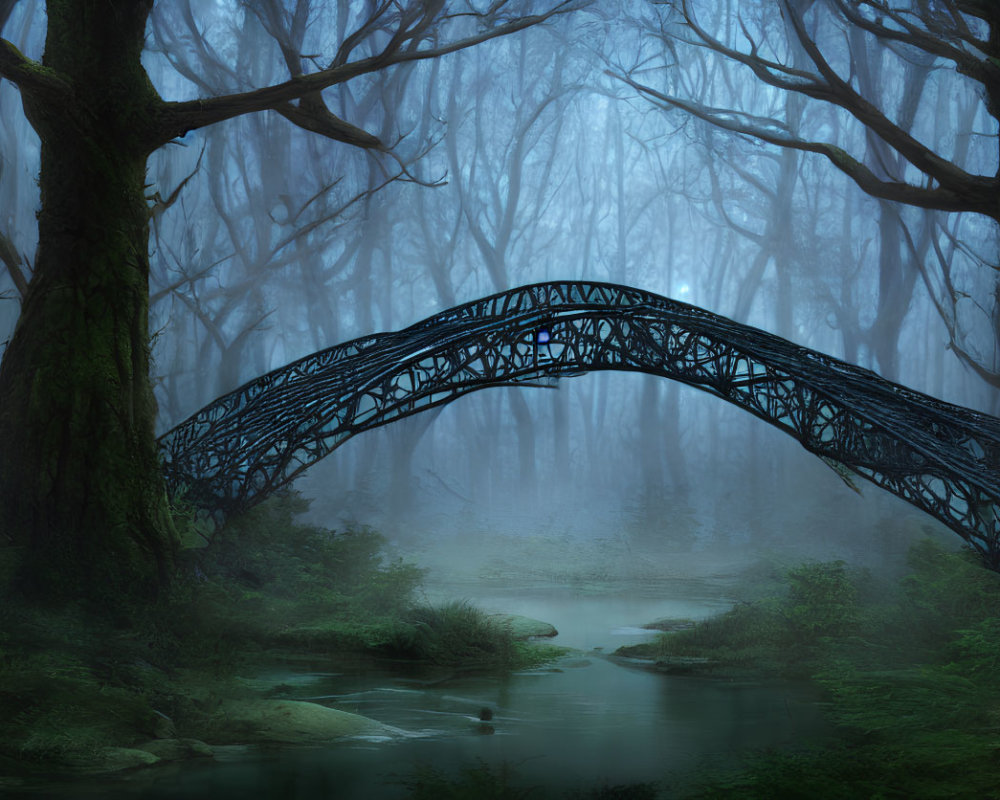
(942, 458)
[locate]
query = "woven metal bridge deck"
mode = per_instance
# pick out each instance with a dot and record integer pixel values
(944, 459)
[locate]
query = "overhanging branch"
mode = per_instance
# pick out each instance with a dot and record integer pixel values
(12, 261)
(978, 194)
(178, 118)
(30, 76)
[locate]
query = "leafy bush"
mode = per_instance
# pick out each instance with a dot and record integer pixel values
(267, 549)
(787, 633)
(267, 580)
(977, 649)
(946, 591)
(822, 599)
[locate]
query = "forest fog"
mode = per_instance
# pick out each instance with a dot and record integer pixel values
(532, 157)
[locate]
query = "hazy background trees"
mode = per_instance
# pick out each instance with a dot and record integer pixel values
(525, 160)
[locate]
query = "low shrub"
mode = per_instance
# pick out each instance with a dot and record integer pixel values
(786, 634)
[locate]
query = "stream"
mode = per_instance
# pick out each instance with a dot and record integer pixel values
(577, 723)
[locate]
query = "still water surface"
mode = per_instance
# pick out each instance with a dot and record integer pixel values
(584, 721)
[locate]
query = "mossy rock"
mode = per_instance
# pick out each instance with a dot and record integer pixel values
(526, 627)
(293, 722)
(177, 749)
(109, 759)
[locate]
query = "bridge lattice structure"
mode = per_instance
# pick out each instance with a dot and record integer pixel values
(943, 459)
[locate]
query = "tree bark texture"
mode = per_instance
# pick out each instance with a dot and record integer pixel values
(80, 483)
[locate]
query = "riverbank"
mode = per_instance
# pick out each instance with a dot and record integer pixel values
(286, 651)
(86, 690)
(909, 672)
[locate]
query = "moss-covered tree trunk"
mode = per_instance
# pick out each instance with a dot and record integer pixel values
(80, 485)
(80, 482)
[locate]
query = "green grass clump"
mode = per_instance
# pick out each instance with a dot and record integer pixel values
(455, 633)
(459, 634)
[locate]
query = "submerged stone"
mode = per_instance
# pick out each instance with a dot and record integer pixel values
(294, 722)
(110, 759)
(526, 627)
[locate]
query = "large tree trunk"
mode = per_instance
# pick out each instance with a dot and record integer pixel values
(80, 484)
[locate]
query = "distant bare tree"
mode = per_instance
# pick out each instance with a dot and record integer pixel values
(798, 56)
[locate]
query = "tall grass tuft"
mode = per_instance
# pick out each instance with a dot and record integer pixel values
(457, 633)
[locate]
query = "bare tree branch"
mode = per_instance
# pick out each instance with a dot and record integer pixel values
(936, 42)
(177, 118)
(948, 316)
(978, 194)
(839, 92)
(12, 261)
(159, 204)
(936, 31)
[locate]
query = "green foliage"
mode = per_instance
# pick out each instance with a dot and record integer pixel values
(946, 592)
(71, 684)
(267, 581)
(786, 633)
(910, 676)
(976, 649)
(822, 599)
(267, 550)
(750, 635)
(459, 634)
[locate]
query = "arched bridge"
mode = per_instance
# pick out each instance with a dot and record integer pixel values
(944, 459)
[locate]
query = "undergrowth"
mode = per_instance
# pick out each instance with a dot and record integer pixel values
(911, 673)
(73, 682)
